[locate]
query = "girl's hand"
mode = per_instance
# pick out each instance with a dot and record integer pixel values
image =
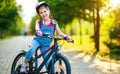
(68, 38)
(37, 28)
(39, 33)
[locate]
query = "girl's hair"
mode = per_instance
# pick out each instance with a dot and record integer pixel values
(52, 22)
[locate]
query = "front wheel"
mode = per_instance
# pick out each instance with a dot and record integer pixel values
(61, 66)
(18, 61)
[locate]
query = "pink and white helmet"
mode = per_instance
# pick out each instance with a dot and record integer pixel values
(43, 3)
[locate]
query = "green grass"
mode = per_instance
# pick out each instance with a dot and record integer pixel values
(2, 37)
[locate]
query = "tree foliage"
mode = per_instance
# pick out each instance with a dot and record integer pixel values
(115, 33)
(65, 10)
(117, 17)
(9, 17)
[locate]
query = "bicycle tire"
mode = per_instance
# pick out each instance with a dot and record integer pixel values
(15, 69)
(64, 60)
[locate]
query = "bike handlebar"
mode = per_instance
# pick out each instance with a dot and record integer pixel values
(57, 38)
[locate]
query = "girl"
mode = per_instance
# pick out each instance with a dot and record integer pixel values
(45, 25)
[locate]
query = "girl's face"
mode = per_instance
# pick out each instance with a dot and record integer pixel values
(44, 12)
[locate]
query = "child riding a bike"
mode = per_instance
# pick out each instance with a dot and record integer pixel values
(46, 24)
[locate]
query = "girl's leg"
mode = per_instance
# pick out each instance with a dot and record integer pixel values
(45, 55)
(33, 47)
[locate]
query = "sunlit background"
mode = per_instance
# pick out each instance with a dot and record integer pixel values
(114, 3)
(28, 9)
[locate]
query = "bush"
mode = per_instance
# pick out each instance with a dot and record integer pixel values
(115, 33)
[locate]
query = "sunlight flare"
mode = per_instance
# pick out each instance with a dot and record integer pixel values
(114, 3)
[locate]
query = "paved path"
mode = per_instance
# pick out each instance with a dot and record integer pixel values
(80, 62)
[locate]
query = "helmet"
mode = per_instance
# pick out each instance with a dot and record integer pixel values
(43, 3)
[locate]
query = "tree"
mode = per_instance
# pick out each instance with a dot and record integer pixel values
(97, 7)
(9, 16)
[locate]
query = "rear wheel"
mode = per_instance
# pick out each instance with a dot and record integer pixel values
(61, 66)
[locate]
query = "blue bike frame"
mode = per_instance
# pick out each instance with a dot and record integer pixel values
(52, 48)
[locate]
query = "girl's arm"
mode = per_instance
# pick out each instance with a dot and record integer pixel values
(37, 25)
(59, 32)
(37, 28)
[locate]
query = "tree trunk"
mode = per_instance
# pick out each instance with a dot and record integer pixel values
(97, 28)
(80, 31)
(94, 23)
(71, 31)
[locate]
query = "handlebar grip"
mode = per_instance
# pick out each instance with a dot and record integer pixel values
(72, 41)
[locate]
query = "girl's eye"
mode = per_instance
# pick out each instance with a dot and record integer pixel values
(44, 11)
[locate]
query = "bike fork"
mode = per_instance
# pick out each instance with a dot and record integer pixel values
(53, 62)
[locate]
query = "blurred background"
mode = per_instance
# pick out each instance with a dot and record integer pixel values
(93, 24)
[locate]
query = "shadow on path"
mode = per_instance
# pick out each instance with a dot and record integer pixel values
(81, 63)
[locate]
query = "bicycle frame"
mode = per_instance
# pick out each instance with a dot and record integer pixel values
(53, 53)
(52, 48)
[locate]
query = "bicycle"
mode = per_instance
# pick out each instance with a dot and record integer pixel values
(60, 64)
